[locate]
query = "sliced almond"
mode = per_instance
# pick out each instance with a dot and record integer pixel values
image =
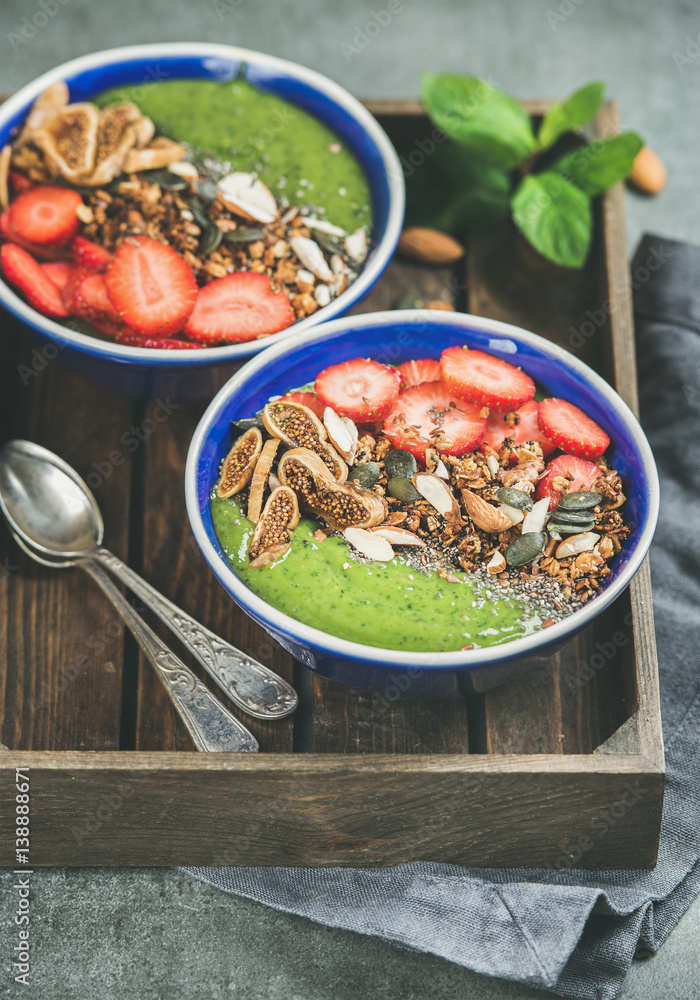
(5, 157)
(325, 227)
(483, 515)
(322, 294)
(343, 505)
(438, 493)
(496, 563)
(259, 478)
(273, 534)
(243, 194)
(369, 544)
(69, 141)
(184, 169)
(342, 432)
(85, 213)
(493, 464)
(515, 515)
(397, 536)
(356, 245)
(145, 130)
(237, 467)
(311, 257)
(299, 427)
(161, 153)
(574, 544)
(536, 518)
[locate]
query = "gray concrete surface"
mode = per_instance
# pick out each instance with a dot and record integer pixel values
(157, 933)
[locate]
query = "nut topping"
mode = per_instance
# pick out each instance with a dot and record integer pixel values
(483, 515)
(260, 478)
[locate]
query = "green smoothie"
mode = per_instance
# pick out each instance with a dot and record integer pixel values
(391, 605)
(296, 155)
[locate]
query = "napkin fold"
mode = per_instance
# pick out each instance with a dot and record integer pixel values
(573, 932)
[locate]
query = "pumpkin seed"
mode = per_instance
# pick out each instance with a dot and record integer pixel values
(525, 548)
(210, 239)
(515, 498)
(364, 475)
(403, 489)
(244, 235)
(400, 463)
(562, 528)
(165, 179)
(206, 190)
(573, 516)
(579, 500)
(199, 212)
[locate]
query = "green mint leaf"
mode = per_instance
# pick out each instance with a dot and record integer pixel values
(573, 113)
(453, 192)
(555, 217)
(493, 126)
(596, 167)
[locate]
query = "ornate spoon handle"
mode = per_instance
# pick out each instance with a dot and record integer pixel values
(210, 724)
(254, 688)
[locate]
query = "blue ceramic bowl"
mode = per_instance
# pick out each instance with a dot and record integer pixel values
(393, 337)
(189, 374)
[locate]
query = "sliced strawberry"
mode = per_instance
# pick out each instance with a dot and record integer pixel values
(133, 339)
(151, 286)
(19, 183)
(525, 429)
(237, 308)
(46, 215)
(361, 389)
(422, 370)
(308, 399)
(85, 253)
(572, 430)
(90, 300)
(485, 379)
(428, 415)
(22, 270)
(59, 271)
(48, 252)
(582, 475)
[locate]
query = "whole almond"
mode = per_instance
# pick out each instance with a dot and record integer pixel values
(649, 172)
(429, 246)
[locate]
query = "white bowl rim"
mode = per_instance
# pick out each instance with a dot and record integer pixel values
(205, 356)
(391, 658)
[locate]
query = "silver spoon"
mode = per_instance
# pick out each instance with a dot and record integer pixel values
(210, 724)
(50, 507)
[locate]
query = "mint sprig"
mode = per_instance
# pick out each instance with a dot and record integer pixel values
(491, 166)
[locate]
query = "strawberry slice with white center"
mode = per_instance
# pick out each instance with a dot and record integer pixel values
(238, 308)
(152, 287)
(525, 428)
(420, 370)
(429, 416)
(485, 379)
(26, 275)
(46, 215)
(572, 430)
(580, 473)
(48, 251)
(361, 389)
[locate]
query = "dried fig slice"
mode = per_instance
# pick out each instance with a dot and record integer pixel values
(237, 467)
(116, 137)
(260, 477)
(299, 427)
(68, 141)
(273, 534)
(45, 108)
(343, 505)
(5, 157)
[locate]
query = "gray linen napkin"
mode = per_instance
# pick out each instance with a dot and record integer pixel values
(573, 932)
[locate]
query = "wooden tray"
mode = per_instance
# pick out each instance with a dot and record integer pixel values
(561, 767)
